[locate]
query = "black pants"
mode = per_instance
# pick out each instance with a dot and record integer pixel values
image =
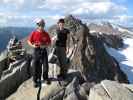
(40, 64)
(61, 54)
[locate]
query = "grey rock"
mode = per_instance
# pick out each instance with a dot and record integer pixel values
(48, 92)
(71, 87)
(72, 96)
(58, 96)
(110, 90)
(129, 86)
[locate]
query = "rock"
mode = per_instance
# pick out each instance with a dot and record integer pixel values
(53, 91)
(11, 81)
(114, 41)
(12, 66)
(71, 96)
(25, 92)
(74, 91)
(110, 90)
(129, 86)
(85, 87)
(3, 62)
(3, 66)
(58, 96)
(82, 95)
(71, 87)
(48, 92)
(90, 56)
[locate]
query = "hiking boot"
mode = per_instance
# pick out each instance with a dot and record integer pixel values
(37, 84)
(47, 81)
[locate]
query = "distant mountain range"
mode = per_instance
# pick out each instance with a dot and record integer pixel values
(110, 28)
(7, 32)
(21, 32)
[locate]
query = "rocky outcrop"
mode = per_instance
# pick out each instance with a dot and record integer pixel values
(13, 77)
(110, 90)
(3, 62)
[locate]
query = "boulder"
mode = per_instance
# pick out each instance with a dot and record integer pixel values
(26, 91)
(110, 90)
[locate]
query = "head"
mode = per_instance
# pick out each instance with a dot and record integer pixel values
(61, 23)
(40, 23)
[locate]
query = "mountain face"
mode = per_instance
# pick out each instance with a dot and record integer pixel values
(7, 32)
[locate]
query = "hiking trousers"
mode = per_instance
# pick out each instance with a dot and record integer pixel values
(40, 64)
(61, 55)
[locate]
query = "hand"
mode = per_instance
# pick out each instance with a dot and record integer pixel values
(67, 50)
(37, 44)
(54, 38)
(34, 46)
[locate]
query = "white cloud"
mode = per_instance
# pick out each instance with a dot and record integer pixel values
(16, 4)
(16, 19)
(99, 8)
(124, 18)
(14, 1)
(52, 10)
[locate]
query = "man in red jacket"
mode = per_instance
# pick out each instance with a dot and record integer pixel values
(39, 39)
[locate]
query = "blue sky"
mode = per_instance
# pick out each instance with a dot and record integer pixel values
(24, 12)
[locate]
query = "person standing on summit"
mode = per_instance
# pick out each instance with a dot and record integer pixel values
(60, 47)
(39, 39)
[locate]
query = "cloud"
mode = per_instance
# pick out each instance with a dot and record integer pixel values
(16, 19)
(125, 19)
(52, 10)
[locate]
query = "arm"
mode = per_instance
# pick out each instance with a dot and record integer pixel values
(54, 38)
(68, 42)
(32, 45)
(30, 40)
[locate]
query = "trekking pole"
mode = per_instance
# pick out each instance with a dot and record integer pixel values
(39, 91)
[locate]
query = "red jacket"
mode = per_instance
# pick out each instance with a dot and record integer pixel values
(39, 38)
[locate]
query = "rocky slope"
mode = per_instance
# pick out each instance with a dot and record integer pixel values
(105, 90)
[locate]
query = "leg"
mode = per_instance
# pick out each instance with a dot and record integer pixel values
(36, 70)
(45, 64)
(61, 54)
(36, 66)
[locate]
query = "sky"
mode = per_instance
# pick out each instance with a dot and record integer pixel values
(24, 12)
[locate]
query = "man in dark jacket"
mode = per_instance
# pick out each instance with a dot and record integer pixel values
(62, 35)
(39, 39)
